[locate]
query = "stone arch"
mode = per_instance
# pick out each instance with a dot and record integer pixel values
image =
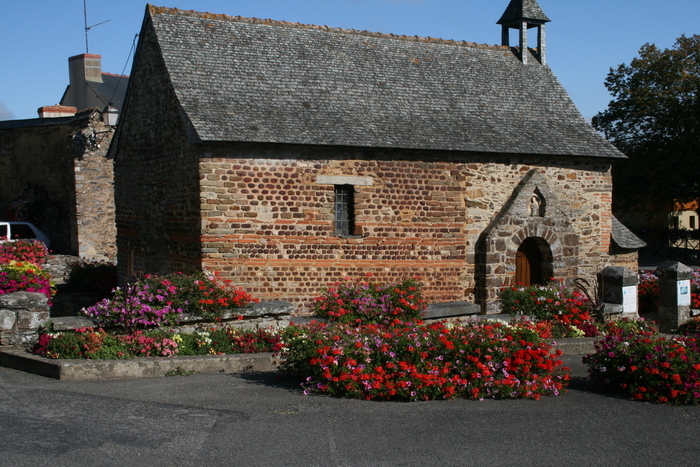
(533, 262)
(497, 247)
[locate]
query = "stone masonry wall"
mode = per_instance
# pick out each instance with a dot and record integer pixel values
(35, 164)
(157, 197)
(267, 218)
(68, 180)
(94, 194)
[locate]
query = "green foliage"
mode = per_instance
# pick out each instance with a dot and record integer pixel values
(654, 118)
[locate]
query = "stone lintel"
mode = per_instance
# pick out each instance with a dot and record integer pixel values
(344, 180)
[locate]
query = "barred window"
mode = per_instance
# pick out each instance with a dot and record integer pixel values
(344, 210)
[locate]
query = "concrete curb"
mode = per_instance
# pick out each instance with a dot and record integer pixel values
(78, 369)
(18, 358)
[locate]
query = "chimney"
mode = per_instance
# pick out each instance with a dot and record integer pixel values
(85, 67)
(53, 111)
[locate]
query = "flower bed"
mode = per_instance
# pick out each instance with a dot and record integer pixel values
(161, 300)
(412, 361)
(90, 343)
(647, 368)
(30, 251)
(363, 301)
(18, 276)
(20, 268)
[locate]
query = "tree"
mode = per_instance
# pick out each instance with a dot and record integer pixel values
(654, 118)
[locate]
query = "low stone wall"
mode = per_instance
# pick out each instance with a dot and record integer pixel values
(22, 314)
(264, 315)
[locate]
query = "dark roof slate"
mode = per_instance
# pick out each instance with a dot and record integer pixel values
(625, 238)
(35, 122)
(112, 89)
(241, 79)
(519, 10)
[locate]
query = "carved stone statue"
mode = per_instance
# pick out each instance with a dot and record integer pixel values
(535, 203)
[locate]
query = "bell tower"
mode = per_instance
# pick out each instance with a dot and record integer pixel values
(523, 15)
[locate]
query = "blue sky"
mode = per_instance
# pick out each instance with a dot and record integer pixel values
(584, 39)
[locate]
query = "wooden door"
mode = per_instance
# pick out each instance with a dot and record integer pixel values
(528, 263)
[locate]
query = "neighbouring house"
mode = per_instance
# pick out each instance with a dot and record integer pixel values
(54, 169)
(288, 156)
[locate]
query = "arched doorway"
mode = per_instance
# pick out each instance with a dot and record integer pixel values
(533, 262)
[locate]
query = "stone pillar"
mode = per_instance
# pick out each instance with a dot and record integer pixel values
(22, 314)
(618, 291)
(523, 43)
(674, 295)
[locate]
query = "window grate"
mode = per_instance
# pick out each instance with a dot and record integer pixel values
(344, 210)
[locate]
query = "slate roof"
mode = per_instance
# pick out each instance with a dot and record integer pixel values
(112, 90)
(242, 79)
(624, 238)
(33, 122)
(519, 10)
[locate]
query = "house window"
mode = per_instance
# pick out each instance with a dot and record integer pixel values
(344, 210)
(692, 222)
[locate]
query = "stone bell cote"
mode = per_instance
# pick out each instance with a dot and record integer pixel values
(523, 15)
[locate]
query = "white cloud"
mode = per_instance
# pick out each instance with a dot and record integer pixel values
(5, 112)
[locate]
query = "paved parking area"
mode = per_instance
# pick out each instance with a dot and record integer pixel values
(264, 419)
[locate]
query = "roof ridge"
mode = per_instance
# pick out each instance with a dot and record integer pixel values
(154, 10)
(114, 74)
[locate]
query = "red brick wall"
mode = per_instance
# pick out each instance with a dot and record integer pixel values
(268, 221)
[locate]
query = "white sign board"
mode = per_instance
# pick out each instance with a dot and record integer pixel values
(684, 293)
(629, 299)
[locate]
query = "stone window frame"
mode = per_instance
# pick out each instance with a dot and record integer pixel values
(344, 188)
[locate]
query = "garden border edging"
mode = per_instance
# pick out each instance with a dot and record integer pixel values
(18, 358)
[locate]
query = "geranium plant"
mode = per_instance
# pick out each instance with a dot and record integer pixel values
(19, 276)
(647, 368)
(408, 361)
(364, 301)
(203, 295)
(546, 302)
(30, 251)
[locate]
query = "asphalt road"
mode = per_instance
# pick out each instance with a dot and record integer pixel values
(263, 419)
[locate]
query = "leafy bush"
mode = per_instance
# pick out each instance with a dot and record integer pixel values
(99, 277)
(29, 251)
(201, 295)
(18, 276)
(408, 361)
(646, 368)
(546, 302)
(98, 344)
(365, 302)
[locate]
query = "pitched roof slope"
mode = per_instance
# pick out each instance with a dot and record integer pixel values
(241, 79)
(519, 10)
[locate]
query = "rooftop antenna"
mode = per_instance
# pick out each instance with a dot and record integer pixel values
(87, 28)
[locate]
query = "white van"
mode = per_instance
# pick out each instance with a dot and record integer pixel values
(22, 231)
